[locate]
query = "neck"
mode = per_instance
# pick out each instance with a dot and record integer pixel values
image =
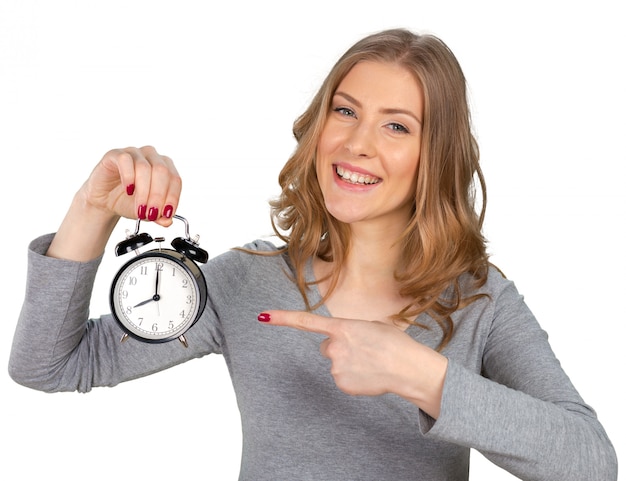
(366, 287)
(372, 255)
(372, 259)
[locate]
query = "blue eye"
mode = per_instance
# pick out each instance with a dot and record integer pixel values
(344, 111)
(398, 128)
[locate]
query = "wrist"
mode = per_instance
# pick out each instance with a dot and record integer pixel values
(84, 232)
(425, 385)
(85, 211)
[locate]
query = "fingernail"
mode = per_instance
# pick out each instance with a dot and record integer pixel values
(264, 317)
(153, 213)
(130, 189)
(167, 211)
(141, 212)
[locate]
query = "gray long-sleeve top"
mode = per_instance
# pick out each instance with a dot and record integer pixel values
(505, 393)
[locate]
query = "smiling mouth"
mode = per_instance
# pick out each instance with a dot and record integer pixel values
(355, 177)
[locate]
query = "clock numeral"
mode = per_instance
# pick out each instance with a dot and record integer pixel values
(158, 266)
(129, 310)
(173, 271)
(182, 314)
(143, 270)
(188, 300)
(140, 319)
(132, 281)
(170, 325)
(124, 294)
(185, 283)
(155, 327)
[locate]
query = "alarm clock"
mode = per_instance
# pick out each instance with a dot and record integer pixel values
(159, 294)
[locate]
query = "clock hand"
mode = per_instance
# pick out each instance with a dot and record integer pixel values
(156, 287)
(144, 302)
(156, 295)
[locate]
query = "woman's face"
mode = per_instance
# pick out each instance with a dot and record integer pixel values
(368, 152)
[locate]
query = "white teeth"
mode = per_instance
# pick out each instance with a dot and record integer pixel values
(355, 178)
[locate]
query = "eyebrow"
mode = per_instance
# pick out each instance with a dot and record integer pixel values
(350, 98)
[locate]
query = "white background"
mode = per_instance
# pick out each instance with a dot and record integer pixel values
(216, 86)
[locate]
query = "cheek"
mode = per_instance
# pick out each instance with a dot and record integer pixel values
(331, 138)
(408, 164)
(407, 170)
(326, 146)
(323, 146)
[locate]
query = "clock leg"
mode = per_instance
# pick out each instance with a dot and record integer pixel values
(182, 339)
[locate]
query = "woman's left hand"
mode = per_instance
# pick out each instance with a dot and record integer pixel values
(370, 358)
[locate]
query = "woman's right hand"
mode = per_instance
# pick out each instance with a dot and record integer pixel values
(132, 183)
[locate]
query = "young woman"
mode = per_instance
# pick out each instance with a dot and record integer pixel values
(377, 342)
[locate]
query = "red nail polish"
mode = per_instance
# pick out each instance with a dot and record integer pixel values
(153, 213)
(167, 211)
(130, 189)
(141, 212)
(264, 317)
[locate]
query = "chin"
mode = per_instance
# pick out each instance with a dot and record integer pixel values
(345, 216)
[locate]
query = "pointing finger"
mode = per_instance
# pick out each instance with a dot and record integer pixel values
(304, 321)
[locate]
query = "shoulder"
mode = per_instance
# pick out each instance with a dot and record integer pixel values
(257, 249)
(494, 285)
(257, 256)
(504, 304)
(494, 297)
(256, 270)
(262, 245)
(502, 290)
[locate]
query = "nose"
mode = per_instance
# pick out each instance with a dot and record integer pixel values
(361, 140)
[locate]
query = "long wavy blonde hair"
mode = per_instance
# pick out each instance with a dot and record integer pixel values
(443, 238)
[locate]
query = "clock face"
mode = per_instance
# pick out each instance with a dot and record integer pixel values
(156, 296)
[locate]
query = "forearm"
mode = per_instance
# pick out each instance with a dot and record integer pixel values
(529, 437)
